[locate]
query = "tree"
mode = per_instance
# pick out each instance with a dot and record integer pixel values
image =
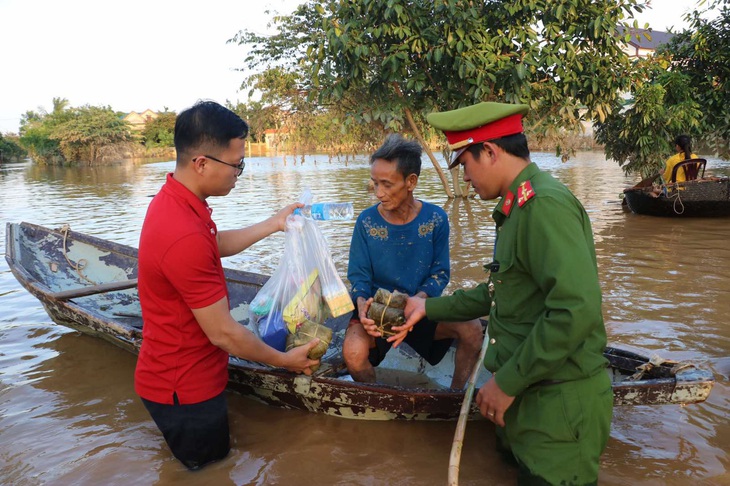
(397, 60)
(640, 136)
(257, 115)
(702, 54)
(285, 106)
(10, 148)
(90, 128)
(685, 88)
(160, 131)
(71, 134)
(59, 105)
(36, 129)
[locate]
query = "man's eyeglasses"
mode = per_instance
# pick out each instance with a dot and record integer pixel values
(239, 167)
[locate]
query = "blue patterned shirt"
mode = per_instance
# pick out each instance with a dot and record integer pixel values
(411, 257)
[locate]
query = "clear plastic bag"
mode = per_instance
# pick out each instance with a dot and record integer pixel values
(304, 287)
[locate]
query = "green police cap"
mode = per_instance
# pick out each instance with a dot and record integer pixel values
(477, 123)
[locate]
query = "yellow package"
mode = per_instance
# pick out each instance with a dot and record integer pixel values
(338, 300)
(306, 304)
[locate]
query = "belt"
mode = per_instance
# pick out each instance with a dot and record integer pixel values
(546, 383)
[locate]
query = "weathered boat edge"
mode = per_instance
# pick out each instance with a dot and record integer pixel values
(334, 395)
(708, 197)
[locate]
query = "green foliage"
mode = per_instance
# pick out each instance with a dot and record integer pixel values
(69, 135)
(702, 53)
(641, 136)
(88, 129)
(160, 131)
(258, 116)
(285, 106)
(40, 146)
(10, 148)
(684, 89)
(383, 59)
(281, 101)
(35, 135)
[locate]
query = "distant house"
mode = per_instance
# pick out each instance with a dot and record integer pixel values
(274, 138)
(644, 42)
(138, 120)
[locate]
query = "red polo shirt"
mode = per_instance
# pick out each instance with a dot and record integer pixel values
(179, 269)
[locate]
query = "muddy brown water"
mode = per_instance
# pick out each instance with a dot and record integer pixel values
(69, 414)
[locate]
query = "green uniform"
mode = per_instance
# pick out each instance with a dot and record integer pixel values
(546, 330)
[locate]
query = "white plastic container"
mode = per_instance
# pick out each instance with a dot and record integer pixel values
(324, 211)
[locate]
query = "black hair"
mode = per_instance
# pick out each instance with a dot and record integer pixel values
(406, 154)
(207, 123)
(512, 144)
(685, 143)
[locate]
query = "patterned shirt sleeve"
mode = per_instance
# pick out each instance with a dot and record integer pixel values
(440, 272)
(359, 269)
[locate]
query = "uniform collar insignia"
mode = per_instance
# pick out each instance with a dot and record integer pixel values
(508, 202)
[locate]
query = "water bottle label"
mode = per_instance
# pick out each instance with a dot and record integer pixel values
(317, 211)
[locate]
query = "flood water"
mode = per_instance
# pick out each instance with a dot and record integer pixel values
(69, 414)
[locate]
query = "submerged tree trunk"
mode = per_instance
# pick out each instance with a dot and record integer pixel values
(455, 174)
(425, 146)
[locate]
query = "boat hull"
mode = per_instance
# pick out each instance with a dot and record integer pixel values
(699, 198)
(411, 389)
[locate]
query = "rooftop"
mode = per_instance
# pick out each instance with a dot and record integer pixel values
(639, 38)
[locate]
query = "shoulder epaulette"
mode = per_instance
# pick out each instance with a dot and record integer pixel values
(524, 193)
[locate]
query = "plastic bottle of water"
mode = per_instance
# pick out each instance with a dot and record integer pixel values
(327, 210)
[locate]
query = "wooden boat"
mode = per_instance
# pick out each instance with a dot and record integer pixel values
(89, 284)
(698, 196)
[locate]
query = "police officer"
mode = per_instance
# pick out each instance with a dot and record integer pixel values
(550, 395)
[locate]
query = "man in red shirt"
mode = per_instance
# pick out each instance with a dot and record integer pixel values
(188, 330)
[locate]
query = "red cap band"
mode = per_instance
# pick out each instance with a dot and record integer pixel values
(508, 125)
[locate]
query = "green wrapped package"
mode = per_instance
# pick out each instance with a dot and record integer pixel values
(307, 331)
(391, 299)
(386, 317)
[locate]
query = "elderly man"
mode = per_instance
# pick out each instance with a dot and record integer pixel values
(402, 243)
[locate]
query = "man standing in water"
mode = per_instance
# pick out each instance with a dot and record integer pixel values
(550, 396)
(188, 332)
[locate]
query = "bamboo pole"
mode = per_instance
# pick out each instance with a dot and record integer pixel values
(458, 443)
(93, 289)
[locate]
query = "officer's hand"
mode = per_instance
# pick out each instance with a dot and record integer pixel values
(402, 332)
(415, 310)
(493, 402)
(398, 338)
(297, 360)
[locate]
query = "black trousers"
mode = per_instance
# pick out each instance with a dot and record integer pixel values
(197, 434)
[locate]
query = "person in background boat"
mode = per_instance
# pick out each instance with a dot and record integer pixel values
(188, 332)
(402, 243)
(683, 146)
(549, 396)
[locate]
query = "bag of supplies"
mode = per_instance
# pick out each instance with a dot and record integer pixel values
(304, 290)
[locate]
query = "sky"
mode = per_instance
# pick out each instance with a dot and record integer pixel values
(142, 54)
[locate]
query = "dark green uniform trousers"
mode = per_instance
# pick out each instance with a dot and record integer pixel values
(557, 432)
